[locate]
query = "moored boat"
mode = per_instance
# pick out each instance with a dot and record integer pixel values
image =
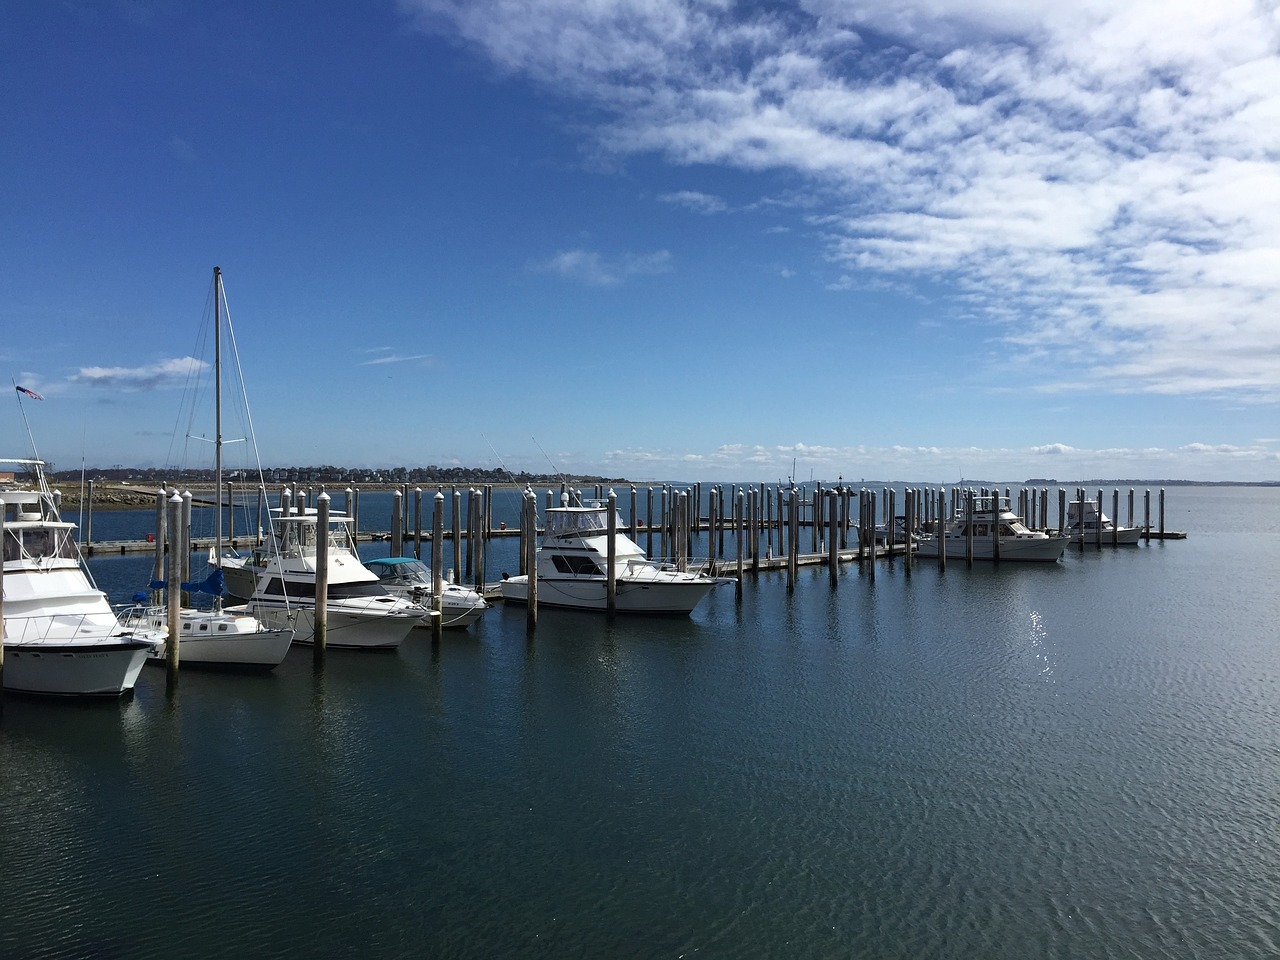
(993, 532)
(572, 564)
(1091, 529)
(279, 579)
(61, 636)
(412, 579)
(211, 636)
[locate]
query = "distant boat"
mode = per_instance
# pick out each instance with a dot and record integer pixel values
(1111, 533)
(573, 559)
(61, 636)
(412, 579)
(991, 517)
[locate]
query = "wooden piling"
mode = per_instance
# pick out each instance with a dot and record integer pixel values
(712, 518)
(262, 504)
(474, 574)
(1097, 534)
(737, 526)
(174, 583)
(871, 534)
(457, 535)
(909, 508)
(1162, 514)
(157, 562)
(968, 517)
(397, 523)
(321, 618)
(530, 524)
(833, 541)
(940, 527)
(185, 566)
(417, 523)
(1146, 516)
(793, 538)
(611, 557)
(437, 565)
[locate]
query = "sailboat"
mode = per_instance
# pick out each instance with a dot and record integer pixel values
(219, 636)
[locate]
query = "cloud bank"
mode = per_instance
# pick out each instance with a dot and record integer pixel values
(1097, 180)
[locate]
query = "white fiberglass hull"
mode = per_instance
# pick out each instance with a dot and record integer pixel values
(1036, 549)
(457, 615)
(673, 593)
(374, 623)
(239, 581)
(227, 638)
(105, 668)
(1122, 537)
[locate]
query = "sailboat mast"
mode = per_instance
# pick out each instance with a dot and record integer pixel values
(217, 406)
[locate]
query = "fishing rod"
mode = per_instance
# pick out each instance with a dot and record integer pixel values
(564, 477)
(510, 476)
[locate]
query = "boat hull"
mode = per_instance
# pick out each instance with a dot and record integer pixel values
(101, 669)
(455, 616)
(1020, 549)
(1121, 537)
(350, 625)
(674, 595)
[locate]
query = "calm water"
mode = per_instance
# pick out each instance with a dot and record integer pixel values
(1080, 760)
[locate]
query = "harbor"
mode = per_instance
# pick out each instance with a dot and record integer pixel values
(966, 761)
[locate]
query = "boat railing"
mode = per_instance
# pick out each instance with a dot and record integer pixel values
(43, 628)
(639, 569)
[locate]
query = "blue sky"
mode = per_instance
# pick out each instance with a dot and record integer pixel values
(919, 240)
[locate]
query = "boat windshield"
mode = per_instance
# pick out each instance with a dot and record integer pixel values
(405, 571)
(589, 520)
(36, 543)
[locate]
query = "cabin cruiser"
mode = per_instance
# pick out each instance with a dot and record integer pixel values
(989, 519)
(412, 579)
(572, 561)
(1110, 532)
(279, 579)
(61, 636)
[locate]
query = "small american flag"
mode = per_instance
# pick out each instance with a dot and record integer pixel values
(30, 393)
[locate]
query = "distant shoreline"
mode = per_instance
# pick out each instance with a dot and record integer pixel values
(133, 497)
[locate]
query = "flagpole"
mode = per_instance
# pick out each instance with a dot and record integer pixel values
(23, 410)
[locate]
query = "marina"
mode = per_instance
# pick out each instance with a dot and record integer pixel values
(983, 761)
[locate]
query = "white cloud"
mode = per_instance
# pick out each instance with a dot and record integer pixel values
(950, 465)
(695, 200)
(1097, 179)
(590, 267)
(160, 375)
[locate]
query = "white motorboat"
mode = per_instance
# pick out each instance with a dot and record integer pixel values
(1110, 532)
(61, 636)
(279, 579)
(989, 519)
(572, 562)
(412, 579)
(211, 636)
